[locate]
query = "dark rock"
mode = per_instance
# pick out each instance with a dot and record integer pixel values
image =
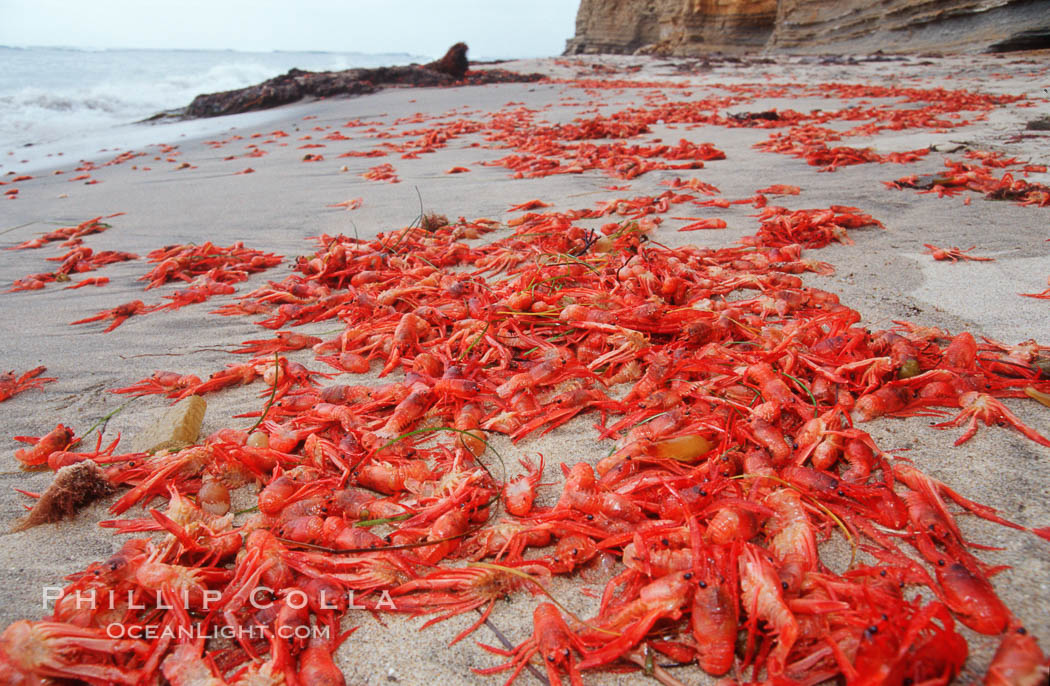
(454, 63)
(746, 117)
(1040, 124)
(298, 84)
(1033, 39)
(280, 90)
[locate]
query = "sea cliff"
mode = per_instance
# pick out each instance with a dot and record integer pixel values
(694, 27)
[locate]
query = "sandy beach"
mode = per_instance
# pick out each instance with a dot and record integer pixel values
(186, 188)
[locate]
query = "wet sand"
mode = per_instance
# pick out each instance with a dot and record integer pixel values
(192, 194)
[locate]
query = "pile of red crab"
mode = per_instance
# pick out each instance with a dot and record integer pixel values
(730, 388)
(728, 391)
(79, 259)
(980, 177)
(207, 269)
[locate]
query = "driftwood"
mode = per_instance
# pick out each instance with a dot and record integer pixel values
(452, 69)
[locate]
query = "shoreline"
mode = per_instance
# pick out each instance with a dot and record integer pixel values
(192, 193)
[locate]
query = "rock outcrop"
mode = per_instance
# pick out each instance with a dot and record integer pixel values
(906, 25)
(693, 27)
(454, 63)
(452, 69)
(280, 90)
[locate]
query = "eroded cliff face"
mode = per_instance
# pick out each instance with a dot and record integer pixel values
(680, 27)
(691, 27)
(615, 26)
(905, 25)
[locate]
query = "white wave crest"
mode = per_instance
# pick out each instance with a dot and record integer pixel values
(57, 94)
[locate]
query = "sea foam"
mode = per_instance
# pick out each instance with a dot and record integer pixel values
(52, 96)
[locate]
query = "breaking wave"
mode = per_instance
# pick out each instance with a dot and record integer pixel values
(50, 94)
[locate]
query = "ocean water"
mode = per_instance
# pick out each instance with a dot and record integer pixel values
(50, 97)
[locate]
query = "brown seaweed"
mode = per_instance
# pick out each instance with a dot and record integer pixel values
(74, 487)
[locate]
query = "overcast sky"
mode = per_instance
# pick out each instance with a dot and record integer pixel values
(491, 28)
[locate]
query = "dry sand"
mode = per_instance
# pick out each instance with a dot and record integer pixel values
(884, 275)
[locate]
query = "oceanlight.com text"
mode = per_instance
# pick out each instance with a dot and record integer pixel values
(196, 631)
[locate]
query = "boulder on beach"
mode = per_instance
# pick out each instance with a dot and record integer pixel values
(454, 63)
